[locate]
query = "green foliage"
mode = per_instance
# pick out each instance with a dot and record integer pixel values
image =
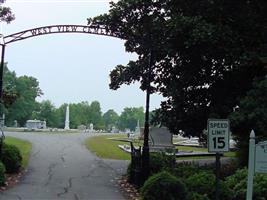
(46, 111)
(111, 150)
(23, 146)
(96, 115)
(252, 114)
(163, 186)
(204, 55)
(196, 196)
(204, 183)
(238, 184)
(110, 119)
(185, 170)
(26, 90)
(6, 14)
(129, 118)
(11, 158)
(2, 173)
(85, 113)
(160, 161)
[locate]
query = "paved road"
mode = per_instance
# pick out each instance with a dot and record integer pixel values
(62, 168)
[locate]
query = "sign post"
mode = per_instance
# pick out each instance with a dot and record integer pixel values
(218, 142)
(261, 157)
(257, 162)
(251, 162)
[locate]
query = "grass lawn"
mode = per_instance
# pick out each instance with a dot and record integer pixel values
(106, 148)
(24, 147)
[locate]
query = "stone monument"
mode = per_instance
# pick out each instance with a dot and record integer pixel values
(91, 127)
(160, 139)
(137, 132)
(67, 118)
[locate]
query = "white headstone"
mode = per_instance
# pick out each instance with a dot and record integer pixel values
(67, 118)
(91, 127)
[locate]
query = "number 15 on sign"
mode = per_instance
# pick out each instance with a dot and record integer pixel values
(218, 135)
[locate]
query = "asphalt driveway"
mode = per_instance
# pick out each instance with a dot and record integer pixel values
(61, 167)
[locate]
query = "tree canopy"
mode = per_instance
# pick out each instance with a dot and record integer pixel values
(110, 119)
(6, 14)
(129, 118)
(205, 54)
(26, 89)
(250, 114)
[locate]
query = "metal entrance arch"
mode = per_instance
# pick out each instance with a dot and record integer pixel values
(45, 30)
(96, 29)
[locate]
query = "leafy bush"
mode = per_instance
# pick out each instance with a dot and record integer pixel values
(184, 170)
(11, 158)
(238, 184)
(160, 161)
(163, 186)
(2, 173)
(204, 183)
(228, 168)
(196, 196)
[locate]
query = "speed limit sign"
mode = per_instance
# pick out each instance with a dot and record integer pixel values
(218, 135)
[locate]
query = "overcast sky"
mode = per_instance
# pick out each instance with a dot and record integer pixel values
(71, 67)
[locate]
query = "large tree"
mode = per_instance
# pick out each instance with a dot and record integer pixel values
(204, 54)
(129, 118)
(26, 89)
(110, 119)
(46, 111)
(9, 96)
(6, 14)
(250, 114)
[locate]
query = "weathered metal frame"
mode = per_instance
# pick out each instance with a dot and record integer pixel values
(45, 30)
(91, 29)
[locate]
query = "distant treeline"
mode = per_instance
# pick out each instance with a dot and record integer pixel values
(20, 104)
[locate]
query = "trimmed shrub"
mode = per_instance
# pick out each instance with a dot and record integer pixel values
(238, 184)
(2, 173)
(204, 183)
(184, 170)
(160, 161)
(11, 158)
(196, 196)
(163, 186)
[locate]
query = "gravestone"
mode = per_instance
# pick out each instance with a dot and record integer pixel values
(81, 127)
(114, 130)
(160, 139)
(91, 128)
(15, 123)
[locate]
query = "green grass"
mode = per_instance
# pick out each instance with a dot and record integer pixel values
(106, 148)
(24, 147)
